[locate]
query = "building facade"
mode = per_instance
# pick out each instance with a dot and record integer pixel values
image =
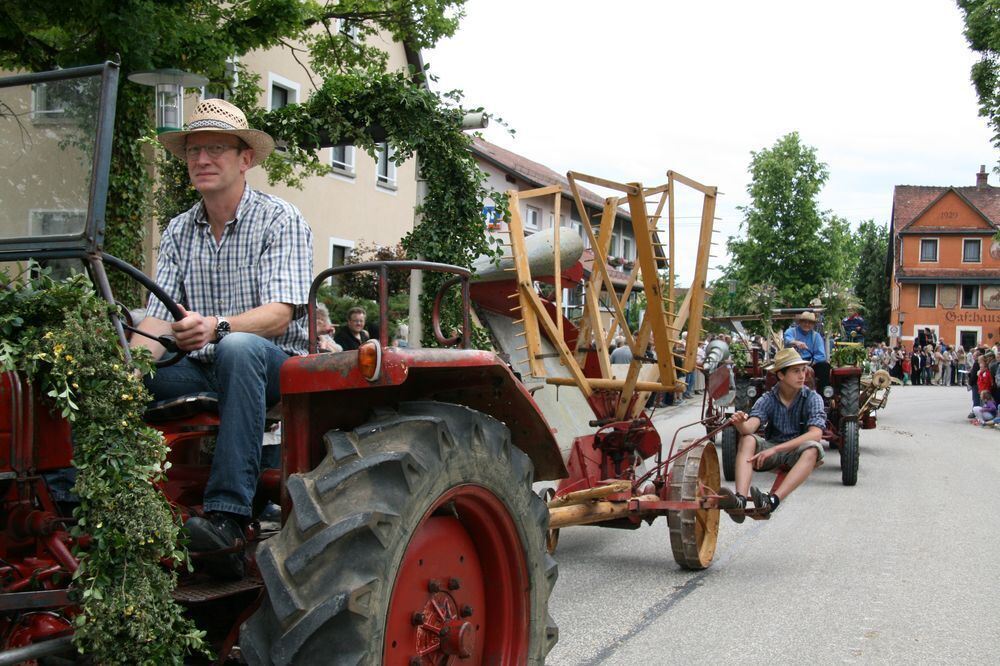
(946, 263)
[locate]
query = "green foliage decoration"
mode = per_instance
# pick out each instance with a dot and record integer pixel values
(59, 336)
(848, 354)
(982, 30)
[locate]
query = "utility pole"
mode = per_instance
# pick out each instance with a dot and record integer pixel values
(471, 121)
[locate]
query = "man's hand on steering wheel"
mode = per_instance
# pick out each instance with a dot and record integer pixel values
(194, 331)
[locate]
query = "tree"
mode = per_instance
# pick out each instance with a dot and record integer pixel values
(982, 30)
(871, 279)
(788, 242)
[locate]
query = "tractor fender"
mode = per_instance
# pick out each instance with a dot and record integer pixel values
(329, 390)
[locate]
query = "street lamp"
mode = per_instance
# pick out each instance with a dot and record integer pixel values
(169, 85)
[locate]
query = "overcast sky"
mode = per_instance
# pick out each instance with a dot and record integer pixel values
(629, 89)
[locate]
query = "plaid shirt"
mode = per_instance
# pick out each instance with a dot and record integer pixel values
(785, 421)
(265, 256)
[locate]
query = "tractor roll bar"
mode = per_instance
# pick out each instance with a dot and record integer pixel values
(382, 268)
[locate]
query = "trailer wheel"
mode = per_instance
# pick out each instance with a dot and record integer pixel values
(730, 444)
(849, 452)
(694, 533)
(417, 540)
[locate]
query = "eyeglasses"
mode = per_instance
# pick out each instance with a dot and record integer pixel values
(213, 150)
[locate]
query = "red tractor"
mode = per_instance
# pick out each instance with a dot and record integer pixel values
(410, 531)
(846, 412)
(410, 535)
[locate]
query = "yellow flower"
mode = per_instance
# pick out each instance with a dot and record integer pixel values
(69, 372)
(114, 367)
(69, 357)
(124, 423)
(75, 385)
(48, 336)
(58, 349)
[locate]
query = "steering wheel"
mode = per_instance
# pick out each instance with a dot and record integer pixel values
(174, 353)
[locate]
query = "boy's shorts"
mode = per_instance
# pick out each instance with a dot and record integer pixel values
(788, 458)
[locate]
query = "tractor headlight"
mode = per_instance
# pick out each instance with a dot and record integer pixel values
(827, 391)
(752, 392)
(370, 360)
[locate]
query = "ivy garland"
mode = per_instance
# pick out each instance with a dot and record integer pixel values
(59, 336)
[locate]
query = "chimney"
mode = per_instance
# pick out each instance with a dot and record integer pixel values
(981, 177)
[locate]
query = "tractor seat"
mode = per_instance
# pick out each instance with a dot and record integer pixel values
(193, 404)
(182, 407)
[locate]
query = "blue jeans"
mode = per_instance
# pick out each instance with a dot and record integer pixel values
(245, 374)
(689, 391)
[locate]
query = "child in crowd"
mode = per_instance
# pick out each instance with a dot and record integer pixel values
(987, 410)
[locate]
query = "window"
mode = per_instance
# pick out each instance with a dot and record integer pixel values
(340, 250)
(385, 168)
(928, 296)
(970, 296)
(59, 223)
(342, 160)
(223, 90)
(283, 91)
(928, 249)
(627, 249)
(972, 250)
(348, 28)
(532, 218)
(50, 100)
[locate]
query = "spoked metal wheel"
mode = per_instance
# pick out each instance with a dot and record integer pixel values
(694, 533)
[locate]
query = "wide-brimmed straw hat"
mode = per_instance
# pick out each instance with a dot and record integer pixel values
(786, 358)
(218, 115)
(806, 316)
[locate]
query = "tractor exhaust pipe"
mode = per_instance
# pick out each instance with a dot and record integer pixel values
(38, 650)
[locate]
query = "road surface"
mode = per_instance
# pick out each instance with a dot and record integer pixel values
(902, 568)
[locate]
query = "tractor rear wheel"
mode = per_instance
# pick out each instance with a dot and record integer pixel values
(694, 532)
(849, 452)
(730, 443)
(417, 540)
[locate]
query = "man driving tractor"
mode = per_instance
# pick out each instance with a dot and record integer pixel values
(804, 338)
(794, 418)
(239, 263)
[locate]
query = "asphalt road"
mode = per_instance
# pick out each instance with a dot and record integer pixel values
(902, 568)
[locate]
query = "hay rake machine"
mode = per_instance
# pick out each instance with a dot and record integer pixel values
(620, 474)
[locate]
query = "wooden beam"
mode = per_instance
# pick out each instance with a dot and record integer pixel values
(551, 331)
(556, 231)
(615, 384)
(539, 192)
(602, 182)
(707, 190)
(521, 266)
(699, 284)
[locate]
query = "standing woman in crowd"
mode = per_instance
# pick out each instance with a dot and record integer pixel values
(907, 366)
(946, 358)
(915, 365)
(960, 364)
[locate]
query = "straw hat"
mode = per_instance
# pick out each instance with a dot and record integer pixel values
(218, 115)
(806, 316)
(786, 358)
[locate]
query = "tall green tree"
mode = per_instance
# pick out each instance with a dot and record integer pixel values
(786, 240)
(982, 30)
(871, 278)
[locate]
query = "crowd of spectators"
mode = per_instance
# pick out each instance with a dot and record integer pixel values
(933, 362)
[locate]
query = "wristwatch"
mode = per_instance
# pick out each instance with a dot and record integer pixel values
(222, 328)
